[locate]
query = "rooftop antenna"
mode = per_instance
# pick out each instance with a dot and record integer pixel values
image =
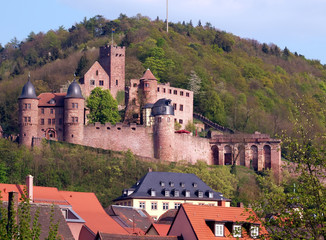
(167, 16)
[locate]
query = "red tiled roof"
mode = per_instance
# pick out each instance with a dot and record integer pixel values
(182, 131)
(89, 208)
(162, 229)
(48, 195)
(44, 99)
(199, 214)
(148, 75)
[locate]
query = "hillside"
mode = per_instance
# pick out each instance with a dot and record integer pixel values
(239, 83)
(107, 173)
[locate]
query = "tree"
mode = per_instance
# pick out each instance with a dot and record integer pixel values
(82, 66)
(103, 107)
(296, 209)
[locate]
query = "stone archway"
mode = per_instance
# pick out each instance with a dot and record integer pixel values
(254, 157)
(215, 152)
(267, 157)
(227, 155)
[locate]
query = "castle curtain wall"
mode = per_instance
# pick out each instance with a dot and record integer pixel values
(138, 139)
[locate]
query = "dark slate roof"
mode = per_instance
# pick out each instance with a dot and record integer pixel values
(162, 107)
(172, 182)
(74, 91)
(130, 217)
(167, 217)
(28, 91)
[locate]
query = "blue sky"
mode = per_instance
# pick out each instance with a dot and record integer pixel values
(296, 24)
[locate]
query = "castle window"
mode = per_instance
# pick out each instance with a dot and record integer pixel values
(159, 119)
(119, 128)
(25, 119)
(180, 121)
(168, 119)
(97, 127)
(27, 106)
(49, 121)
(165, 206)
(175, 106)
(116, 82)
(29, 119)
(142, 205)
(175, 92)
(146, 84)
(60, 121)
(42, 121)
(42, 110)
(74, 119)
(92, 82)
(170, 91)
(134, 129)
(158, 89)
(181, 107)
(164, 90)
(135, 85)
(101, 83)
(187, 94)
(53, 121)
(51, 110)
(108, 128)
(154, 205)
(74, 105)
(181, 93)
(96, 72)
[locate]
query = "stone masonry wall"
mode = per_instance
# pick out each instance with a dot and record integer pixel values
(138, 139)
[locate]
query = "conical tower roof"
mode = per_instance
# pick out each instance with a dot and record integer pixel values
(148, 75)
(28, 91)
(74, 91)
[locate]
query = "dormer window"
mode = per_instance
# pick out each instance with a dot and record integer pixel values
(210, 194)
(176, 193)
(200, 194)
(187, 193)
(92, 82)
(254, 231)
(171, 184)
(153, 193)
(219, 230)
(194, 185)
(167, 193)
(236, 230)
(162, 184)
(182, 184)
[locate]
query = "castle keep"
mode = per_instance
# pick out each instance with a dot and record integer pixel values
(152, 109)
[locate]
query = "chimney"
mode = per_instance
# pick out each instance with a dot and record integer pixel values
(240, 205)
(150, 169)
(29, 187)
(12, 210)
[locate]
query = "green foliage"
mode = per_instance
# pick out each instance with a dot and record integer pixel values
(103, 107)
(82, 66)
(177, 126)
(121, 97)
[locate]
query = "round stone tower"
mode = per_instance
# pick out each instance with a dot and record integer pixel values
(148, 84)
(163, 113)
(74, 114)
(28, 114)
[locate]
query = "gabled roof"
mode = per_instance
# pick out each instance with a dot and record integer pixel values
(171, 182)
(161, 229)
(89, 208)
(51, 99)
(99, 67)
(148, 75)
(199, 215)
(129, 217)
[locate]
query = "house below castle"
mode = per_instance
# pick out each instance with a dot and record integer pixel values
(148, 129)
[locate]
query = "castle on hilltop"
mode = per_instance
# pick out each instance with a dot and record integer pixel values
(151, 111)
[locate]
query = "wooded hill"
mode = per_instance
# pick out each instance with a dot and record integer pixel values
(239, 83)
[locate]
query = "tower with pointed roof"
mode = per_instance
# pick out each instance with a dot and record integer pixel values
(74, 114)
(28, 114)
(148, 84)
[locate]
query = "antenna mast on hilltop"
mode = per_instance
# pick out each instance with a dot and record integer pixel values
(167, 16)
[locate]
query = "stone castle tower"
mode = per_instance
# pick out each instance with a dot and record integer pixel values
(74, 114)
(163, 113)
(28, 114)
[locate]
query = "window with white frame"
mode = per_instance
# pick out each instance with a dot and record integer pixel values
(219, 230)
(142, 205)
(177, 205)
(154, 205)
(165, 206)
(254, 231)
(236, 230)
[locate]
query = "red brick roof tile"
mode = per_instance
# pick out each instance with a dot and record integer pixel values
(148, 75)
(162, 229)
(44, 99)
